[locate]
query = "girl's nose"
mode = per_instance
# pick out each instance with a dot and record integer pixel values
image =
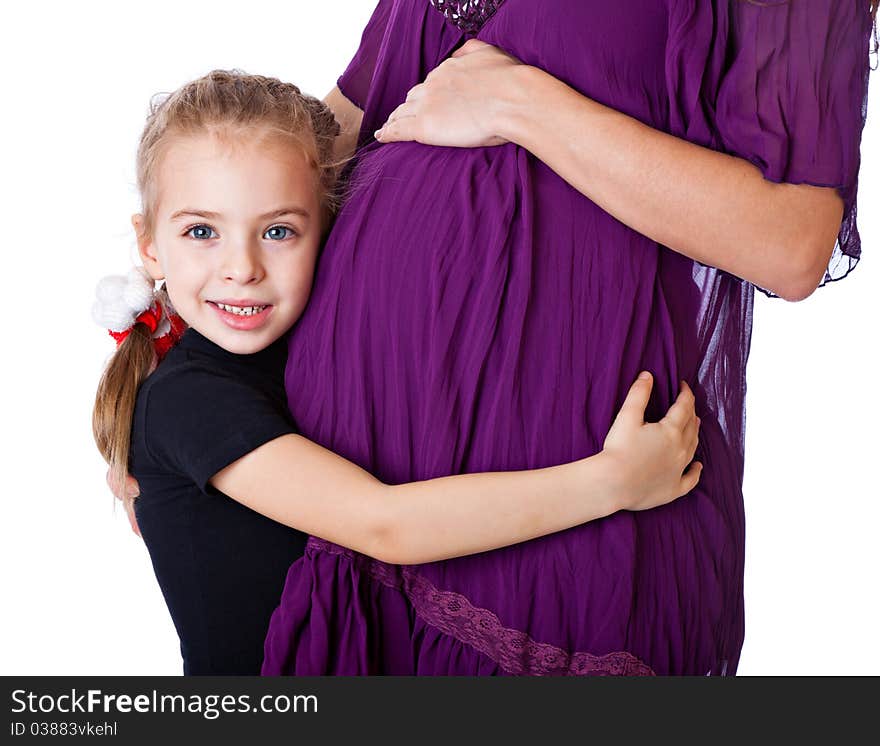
(242, 265)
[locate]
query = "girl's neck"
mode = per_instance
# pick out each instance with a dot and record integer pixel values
(272, 356)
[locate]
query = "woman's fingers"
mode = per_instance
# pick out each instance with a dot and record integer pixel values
(415, 93)
(401, 125)
(402, 129)
(404, 110)
(469, 47)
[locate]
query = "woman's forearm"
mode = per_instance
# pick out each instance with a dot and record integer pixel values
(349, 117)
(302, 485)
(710, 206)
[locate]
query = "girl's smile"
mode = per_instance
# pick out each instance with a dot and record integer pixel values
(244, 314)
(235, 235)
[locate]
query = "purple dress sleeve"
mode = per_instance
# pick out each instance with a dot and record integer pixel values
(792, 100)
(380, 74)
(355, 81)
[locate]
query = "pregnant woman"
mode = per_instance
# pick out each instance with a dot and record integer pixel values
(587, 190)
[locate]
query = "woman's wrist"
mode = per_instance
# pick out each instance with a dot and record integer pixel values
(520, 107)
(513, 104)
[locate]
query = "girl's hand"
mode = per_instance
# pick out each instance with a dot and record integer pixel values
(458, 102)
(649, 457)
(131, 490)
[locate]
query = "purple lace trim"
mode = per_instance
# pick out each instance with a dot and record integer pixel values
(468, 15)
(514, 651)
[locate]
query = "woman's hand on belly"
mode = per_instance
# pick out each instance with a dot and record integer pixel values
(458, 103)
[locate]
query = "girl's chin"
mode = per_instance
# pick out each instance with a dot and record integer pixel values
(237, 341)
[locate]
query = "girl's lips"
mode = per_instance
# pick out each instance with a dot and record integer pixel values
(240, 322)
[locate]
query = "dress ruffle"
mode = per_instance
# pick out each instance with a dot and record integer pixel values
(399, 613)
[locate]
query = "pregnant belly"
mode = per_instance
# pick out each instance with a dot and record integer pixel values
(473, 312)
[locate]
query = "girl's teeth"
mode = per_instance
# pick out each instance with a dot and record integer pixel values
(241, 310)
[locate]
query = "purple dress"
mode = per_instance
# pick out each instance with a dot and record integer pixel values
(474, 312)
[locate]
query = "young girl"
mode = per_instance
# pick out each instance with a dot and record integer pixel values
(238, 189)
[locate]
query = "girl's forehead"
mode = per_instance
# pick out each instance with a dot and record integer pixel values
(233, 171)
(230, 145)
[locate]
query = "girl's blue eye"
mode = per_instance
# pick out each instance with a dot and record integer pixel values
(201, 232)
(279, 233)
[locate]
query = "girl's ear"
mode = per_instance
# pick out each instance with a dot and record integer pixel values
(146, 249)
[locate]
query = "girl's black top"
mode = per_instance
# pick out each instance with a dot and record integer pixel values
(221, 566)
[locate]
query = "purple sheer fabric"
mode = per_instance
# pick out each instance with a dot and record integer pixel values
(793, 100)
(474, 312)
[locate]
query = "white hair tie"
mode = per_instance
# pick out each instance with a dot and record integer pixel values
(122, 298)
(125, 300)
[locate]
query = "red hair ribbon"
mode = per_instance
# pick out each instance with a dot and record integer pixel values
(151, 318)
(164, 343)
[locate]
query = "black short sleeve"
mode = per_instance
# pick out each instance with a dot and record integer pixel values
(201, 419)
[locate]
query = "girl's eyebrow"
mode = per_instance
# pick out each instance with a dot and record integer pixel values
(292, 210)
(207, 215)
(188, 212)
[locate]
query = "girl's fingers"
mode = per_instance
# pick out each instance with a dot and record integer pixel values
(682, 410)
(132, 521)
(689, 435)
(633, 407)
(117, 489)
(111, 483)
(132, 488)
(691, 478)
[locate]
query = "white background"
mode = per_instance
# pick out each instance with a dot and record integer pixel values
(78, 590)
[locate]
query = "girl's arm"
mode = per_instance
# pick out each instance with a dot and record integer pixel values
(298, 483)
